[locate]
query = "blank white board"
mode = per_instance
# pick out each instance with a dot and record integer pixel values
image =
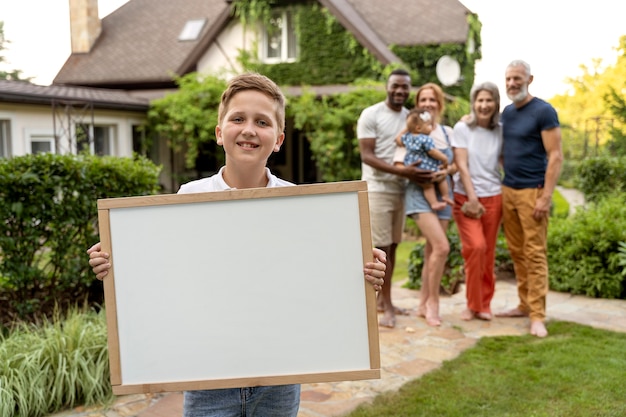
(239, 288)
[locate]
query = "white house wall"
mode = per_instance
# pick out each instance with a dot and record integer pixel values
(28, 120)
(221, 58)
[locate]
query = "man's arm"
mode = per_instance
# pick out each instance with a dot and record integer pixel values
(551, 139)
(366, 146)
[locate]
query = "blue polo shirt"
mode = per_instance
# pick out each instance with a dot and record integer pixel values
(524, 157)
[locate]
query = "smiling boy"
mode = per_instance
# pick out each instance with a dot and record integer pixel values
(251, 122)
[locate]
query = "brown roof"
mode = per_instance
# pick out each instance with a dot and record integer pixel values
(139, 43)
(415, 22)
(25, 92)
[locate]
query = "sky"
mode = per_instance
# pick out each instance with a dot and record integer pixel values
(554, 36)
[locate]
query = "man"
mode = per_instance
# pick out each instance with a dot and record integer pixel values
(532, 159)
(377, 128)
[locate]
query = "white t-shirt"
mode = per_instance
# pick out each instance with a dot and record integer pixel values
(484, 147)
(383, 124)
(217, 183)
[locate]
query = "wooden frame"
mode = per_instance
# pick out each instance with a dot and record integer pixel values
(239, 288)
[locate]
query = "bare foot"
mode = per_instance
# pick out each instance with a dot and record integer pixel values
(467, 314)
(438, 206)
(516, 312)
(388, 320)
(537, 328)
(433, 321)
(421, 312)
(484, 316)
(397, 310)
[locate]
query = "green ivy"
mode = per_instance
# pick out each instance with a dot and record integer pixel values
(188, 117)
(329, 124)
(328, 54)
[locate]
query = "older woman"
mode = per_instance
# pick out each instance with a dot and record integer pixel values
(477, 144)
(432, 224)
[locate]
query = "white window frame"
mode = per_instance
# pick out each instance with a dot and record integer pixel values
(285, 39)
(110, 140)
(5, 138)
(39, 135)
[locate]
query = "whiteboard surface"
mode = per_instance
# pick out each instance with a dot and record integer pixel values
(240, 288)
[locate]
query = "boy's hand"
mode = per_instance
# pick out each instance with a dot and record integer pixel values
(99, 261)
(375, 271)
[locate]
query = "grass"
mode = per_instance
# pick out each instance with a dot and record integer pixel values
(577, 371)
(401, 270)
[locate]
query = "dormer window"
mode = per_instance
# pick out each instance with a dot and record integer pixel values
(279, 39)
(192, 30)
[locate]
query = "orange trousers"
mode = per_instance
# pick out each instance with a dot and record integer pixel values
(527, 240)
(478, 248)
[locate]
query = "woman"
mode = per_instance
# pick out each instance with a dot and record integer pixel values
(477, 144)
(432, 224)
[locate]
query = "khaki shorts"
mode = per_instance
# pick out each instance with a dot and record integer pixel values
(386, 217)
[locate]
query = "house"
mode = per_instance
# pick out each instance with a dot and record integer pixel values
(141, 46)
(60, 119)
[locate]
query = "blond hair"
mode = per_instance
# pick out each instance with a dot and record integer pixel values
(438, 96)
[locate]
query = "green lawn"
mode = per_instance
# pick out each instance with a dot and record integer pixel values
(401, 270)
(578, 371)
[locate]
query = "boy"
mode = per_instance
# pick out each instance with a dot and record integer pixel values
(251, 120)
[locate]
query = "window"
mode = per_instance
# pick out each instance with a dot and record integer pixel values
(192, 30)
(144, 145)
(279, 39)
(101, 143)
(5, 138)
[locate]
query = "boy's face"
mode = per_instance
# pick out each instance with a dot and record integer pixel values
(249, 130)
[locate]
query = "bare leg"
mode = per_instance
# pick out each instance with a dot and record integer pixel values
(384, 296)
(431, 197)
(444, 190)
(435, 261)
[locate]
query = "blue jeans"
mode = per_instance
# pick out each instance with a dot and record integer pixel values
(272, 401)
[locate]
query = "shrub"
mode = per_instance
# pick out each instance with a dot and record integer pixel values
(56, 365)
(584, 250)
(48, 204)
(598, 177)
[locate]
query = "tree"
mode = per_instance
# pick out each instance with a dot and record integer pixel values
(616, 101)
(589, 113)
(11, 74)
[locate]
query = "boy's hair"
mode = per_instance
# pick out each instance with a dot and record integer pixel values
(418, 117)
(255, 82)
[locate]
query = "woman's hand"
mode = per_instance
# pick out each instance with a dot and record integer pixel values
(473, 209)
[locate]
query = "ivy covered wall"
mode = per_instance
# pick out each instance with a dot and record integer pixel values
(329, 54)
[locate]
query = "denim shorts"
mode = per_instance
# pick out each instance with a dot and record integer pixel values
(272, 401)
(416, 202)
